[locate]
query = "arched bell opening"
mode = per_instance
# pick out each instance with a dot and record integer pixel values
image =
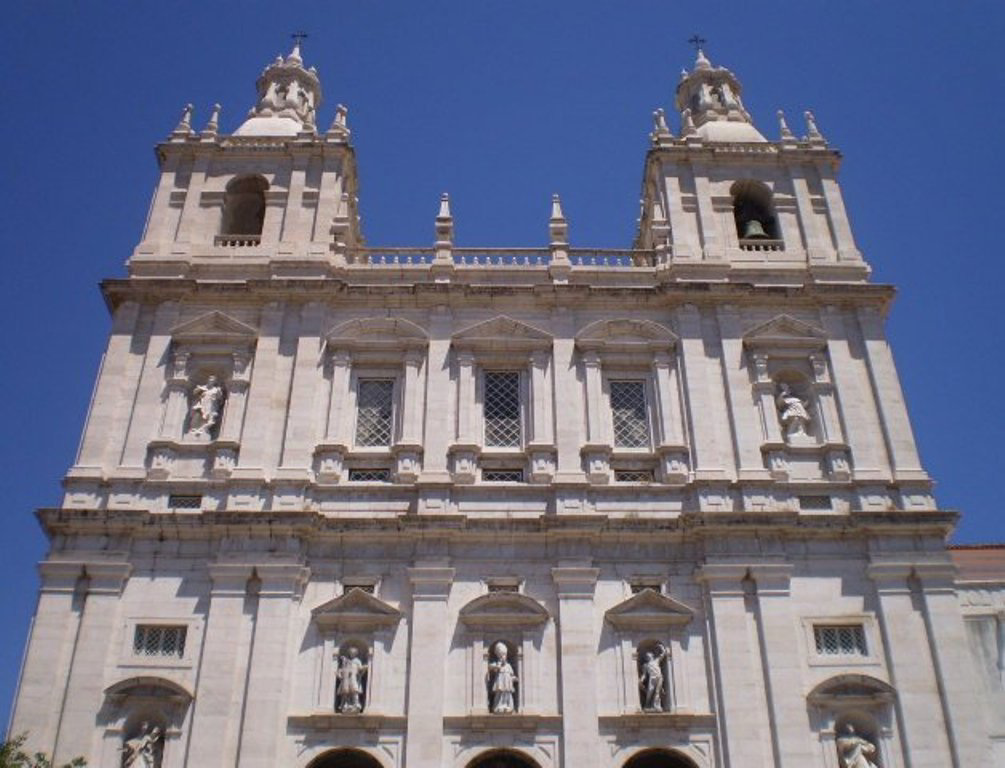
(502, 758)
(345, 758)
(660, 758)
(753, 212)
(244, 206)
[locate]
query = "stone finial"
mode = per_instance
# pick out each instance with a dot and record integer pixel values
(783, 127)
(812, 132)
(444, 222)
(340, 221)
(340, 125)
(687, 123)
(184, 127)
(558, 227)
(294, 56)
(701, 61)
(213, 126)
(661, 131)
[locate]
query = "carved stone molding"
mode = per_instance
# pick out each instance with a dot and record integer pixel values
(503, 609)
(356, 610)
(649, 610)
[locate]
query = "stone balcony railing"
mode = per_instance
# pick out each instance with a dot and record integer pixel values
(238, 241)
(761, 244)
(502, 257)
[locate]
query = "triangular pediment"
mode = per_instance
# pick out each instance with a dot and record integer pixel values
(501, 332)
(370, 332)
(626, 334)
(785, 331)
(649, 610)
(355, 609)
(213, 328)
(503, 609)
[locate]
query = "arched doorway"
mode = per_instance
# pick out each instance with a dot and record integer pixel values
(659, 758)
(345, 758)
(503, 758)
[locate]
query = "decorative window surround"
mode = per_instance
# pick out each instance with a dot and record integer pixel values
(128, 657)
(158, 700)
(785, 342)
(503, 344)
(214, 342)
(645, 617)
(355, 616)
(379, 347)
(632, 349)
(518, 620)
(862, 699)
(870, 635)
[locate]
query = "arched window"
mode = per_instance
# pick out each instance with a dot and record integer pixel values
(345, 758)
(754, 216)
(659, 758)
(244, 206)
(503, 758)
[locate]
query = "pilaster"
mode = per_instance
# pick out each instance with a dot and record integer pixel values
(301, 430)
(260, 396)
(742, 409)
(701, 409)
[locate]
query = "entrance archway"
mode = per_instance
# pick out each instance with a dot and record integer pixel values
(345, 758)
(502, 758)
(659, 758)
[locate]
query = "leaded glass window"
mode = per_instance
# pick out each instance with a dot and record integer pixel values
(630, 414)
(840, 640)
(502, 409)
(159, 640)
(374, 412)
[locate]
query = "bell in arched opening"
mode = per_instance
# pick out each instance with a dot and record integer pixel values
(753, 229)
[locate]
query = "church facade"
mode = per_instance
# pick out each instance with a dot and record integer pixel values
(343, 506)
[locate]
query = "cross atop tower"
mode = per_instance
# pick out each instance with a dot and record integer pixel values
(697, 41)
(299, 37)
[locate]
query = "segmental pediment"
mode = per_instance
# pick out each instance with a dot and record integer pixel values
(502, 333)
(368, 333)
(503, 609)
(626, 335)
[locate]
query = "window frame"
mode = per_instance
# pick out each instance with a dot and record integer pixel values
(612, 375)
(523, 395)
(869, 632)
(371, 373)
(193, 639)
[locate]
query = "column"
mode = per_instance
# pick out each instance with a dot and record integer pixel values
(569, 406)
(271, 653)
(176, 402)
(596, 421)
(966, 721)
(301, 429)
(191, 212)
(859, 413)
(426, 666)
(263, 386)
(577, 644)
(466, 404)
(672, 446)
(540, 399)
(237, 395)
(919, 714)
(742, 408)
(220, 683)
(438, 419)
(147, 404)
(742, 720)
(339, 416)
(782, 667)
(99, 629)
(889, 398)
(106, 396)
(412, 399)
(50, 645)
(705, 446)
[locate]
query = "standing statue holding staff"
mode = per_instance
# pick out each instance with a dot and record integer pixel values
(502, 681)
(651, 679)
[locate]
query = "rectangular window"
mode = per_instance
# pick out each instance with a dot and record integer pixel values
(633, 475)
(176, 501)
(369, 475)
(630, 414)
(159, 640)
(374, 412)
(502, 475)
(815, 504)
(840, 640)
(367, 587)
(502, 409)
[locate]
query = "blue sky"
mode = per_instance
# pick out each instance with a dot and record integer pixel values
(502, 104)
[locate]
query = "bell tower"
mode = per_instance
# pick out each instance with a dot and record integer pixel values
(721, 201)
(276, 195)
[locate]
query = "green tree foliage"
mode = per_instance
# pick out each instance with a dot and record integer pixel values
(13, 756)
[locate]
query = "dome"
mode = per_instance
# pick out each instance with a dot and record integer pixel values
(260, 125)
(729, 130)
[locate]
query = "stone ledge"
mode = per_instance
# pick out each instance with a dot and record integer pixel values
(515, 721)
(328, 721)
(676, 719)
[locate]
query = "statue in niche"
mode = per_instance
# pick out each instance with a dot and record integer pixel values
(502, 681)
(792, 411)
(855, 751)
(207, 403)
(144, 749)
(350, 677)
(651, 679)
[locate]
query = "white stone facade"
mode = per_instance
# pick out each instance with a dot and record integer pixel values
(696, 449)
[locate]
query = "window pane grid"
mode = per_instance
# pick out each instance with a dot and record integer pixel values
(374, 412)
(842, 640)
(633, 476)
(502, 475)
(154, 640)
(630, 415)
(369, 475)
(502, 409)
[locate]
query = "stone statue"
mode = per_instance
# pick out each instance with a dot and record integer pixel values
(349, 681)
(207, 401)
(144, 749)
(792, 411)
(651, 679)
(502, 681)
(854, 751)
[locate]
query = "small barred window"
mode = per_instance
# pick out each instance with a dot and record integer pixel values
(159, 640)
(642, 586)
(504, 586)
(502, 475)
(815, 503)
(374, 407)
(369, 475)
(633, 475)
(502, 409)
(840, 640)
(630, 414)
(176, 501)
(367, 586)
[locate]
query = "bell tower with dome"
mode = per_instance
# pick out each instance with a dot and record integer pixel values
(344, 506)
